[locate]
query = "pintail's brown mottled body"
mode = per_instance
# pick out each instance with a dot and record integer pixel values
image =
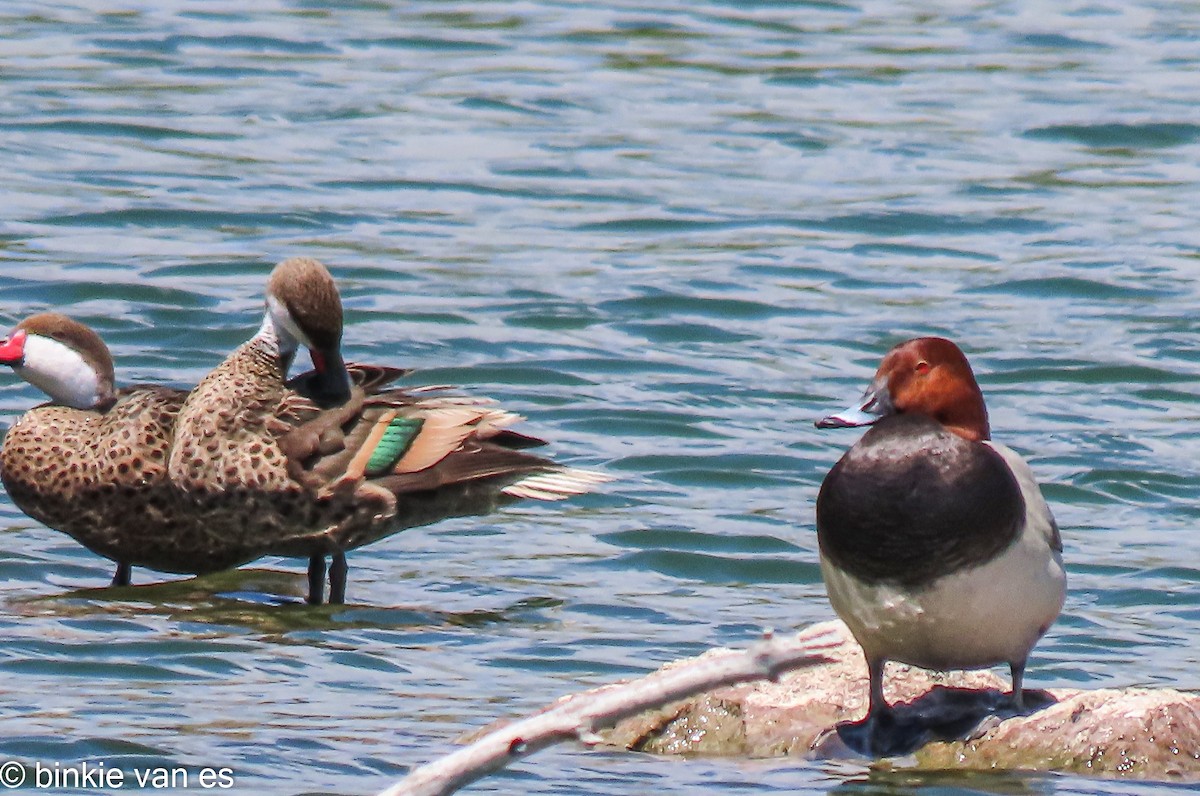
(337, 458)
(93, 461)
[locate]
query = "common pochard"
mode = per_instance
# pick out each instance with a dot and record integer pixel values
(937, 547)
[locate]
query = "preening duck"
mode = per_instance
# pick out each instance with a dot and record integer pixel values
(339, 458)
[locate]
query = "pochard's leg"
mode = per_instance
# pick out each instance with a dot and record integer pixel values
(1018, 679)
(337, 578)
(316, 578)
(123, 575)
(871, 735)
(878, 706)
(880, 724)
(879, 734)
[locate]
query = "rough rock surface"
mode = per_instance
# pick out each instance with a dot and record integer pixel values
(1137, 732)
(1143, 733)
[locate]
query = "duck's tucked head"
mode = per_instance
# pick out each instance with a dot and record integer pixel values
(927, 376)
(62, 358)
(304, 308)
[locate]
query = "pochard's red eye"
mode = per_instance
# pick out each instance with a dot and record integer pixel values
(922, 367)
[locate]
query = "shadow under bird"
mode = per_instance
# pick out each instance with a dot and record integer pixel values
(937, 547)
(336, 458)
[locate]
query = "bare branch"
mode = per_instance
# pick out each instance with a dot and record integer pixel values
(580, 717)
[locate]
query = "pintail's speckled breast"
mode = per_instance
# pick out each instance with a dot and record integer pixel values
(100, 476)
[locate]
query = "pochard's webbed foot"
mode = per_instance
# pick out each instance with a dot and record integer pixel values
(883, 733)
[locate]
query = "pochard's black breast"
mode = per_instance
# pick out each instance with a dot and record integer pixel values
(912, 502)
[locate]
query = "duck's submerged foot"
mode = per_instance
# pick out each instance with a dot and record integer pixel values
(337, 579)
(338, 568)
(316, 579)
(124, 574)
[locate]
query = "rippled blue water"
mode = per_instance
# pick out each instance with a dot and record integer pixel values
(672, 234)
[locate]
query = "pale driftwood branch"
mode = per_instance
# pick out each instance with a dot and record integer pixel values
(582, 716)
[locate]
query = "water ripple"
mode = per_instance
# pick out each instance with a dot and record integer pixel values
(670, 234)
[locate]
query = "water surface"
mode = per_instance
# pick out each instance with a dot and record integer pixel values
(671, 234)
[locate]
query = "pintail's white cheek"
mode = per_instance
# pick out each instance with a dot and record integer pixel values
(286, 329)
(59, 371)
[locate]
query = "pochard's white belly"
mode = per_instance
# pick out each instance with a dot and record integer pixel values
(990, 613)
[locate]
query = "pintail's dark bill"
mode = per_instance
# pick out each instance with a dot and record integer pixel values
(331, 382)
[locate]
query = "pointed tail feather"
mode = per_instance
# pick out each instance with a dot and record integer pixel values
(556, 484)
(496, 421)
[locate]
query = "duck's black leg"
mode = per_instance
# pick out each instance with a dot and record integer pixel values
(337, 578)
(880, 721)
(878, 734)
(878, 706)
(316, 578)
(1018, 680)
(123, 574)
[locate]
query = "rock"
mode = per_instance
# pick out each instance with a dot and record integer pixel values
(1133, 732)
(1142, 733)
